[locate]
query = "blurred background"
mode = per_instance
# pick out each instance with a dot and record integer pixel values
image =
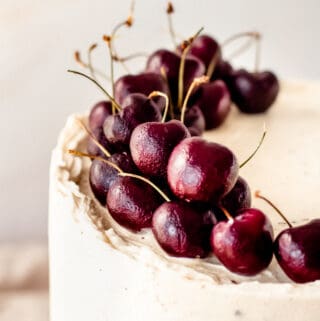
(38, 39)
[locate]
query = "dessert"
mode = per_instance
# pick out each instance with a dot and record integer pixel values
(150, 255)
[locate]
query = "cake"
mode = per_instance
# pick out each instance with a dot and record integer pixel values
(102, 271)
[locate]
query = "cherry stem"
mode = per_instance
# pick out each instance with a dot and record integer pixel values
(85, 128)
(81, 154)
(253, 35)
(130, 57)
(77, 58)
(170, 11)
(258, 195)
(195, 83)
(186, 46)
(164, 75)
(91, 48)
(165, 197)
(241, 49)
(226, 213)
(257, 148)
(117, 106)
(161, 94)
(213, 63)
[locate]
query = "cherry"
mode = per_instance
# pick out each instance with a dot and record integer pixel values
(195, 121)
(181, 231)
(297, 250)
(214, 101)
(244, 244)
(237, 199)
(137, 109)
(169, 62)
(253, 92)
(102, 175)
(205, 48)
(223, 71)
(92, 147)
(152, 143)
(143, 83)
(99, 113)
(132, 202)
(201, 171)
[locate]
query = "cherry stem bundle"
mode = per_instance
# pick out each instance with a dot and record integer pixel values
(257, 148)
(195, 83)
(161, 94)
(252, 35)
(185, 47)
(86, 129)
(258, 195)
(116, 105)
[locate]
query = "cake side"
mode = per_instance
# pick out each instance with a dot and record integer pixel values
(96, 265)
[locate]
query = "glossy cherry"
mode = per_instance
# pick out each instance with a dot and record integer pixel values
(214, 101)
(152, 143)
(297, 250)
(201, 171)
(99, 113)
(137, 109)
(132, 202)
(244, 244)
(181, 231)
(222, 71)
(169, 62)
(195, 121)
(253, 93)
(101, 174)
(237, 199)
(143, 83)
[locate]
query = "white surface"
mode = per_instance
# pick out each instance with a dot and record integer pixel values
(37, 40)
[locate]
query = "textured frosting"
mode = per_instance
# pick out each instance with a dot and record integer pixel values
(286, 169)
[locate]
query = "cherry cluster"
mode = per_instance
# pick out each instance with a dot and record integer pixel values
(151, 169)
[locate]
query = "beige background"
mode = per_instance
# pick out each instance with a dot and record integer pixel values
(37, 40)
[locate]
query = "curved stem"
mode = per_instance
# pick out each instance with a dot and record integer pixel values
(182, 66)
(78, 59)
(226, 213)
(252, 34)
(257, 148)
(102, 148)
(213, 63)
(161, 94)
(258, 195)
(141, 178)
(258, 54)
(81, 154)
(117, 106)
(196, 82)
(91, 48)
(241, 49)
(170, 11)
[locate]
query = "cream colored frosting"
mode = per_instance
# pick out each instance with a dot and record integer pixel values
(89, 250)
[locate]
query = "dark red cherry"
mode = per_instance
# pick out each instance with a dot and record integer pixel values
(244, 244)
(101, 174)
(223, 71)
(170, 62)
(152, 143)
(143, 83)
(253, 92)
(297, 250)
(181, 231)
(205, 48)
(132, 202)
(92, 147)
(237, 199)
(201, 171)
(214, 101)
(99, 113)
(137, 109)
(195, 121)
